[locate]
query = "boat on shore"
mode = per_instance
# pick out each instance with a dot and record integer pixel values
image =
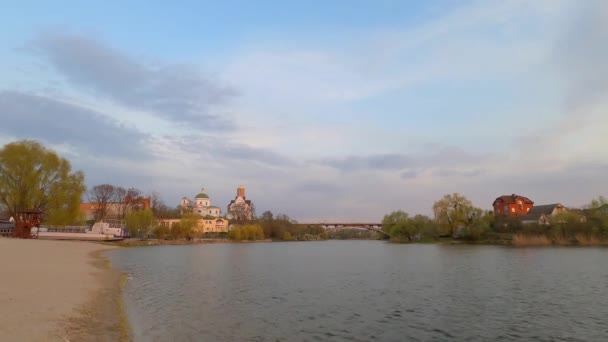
(100, 231)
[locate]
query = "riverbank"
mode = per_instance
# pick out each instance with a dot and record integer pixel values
(517, 240)
(59, 291)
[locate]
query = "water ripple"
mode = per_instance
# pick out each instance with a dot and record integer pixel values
(364, 291)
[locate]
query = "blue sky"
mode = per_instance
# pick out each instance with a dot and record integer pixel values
(323, 110)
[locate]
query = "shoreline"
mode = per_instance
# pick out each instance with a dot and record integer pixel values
(483, 242)
(60, 291)
(157, 242)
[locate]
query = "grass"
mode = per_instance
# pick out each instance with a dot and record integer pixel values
(561, 241)
(542, 240)
(585, 240)
(530, 240)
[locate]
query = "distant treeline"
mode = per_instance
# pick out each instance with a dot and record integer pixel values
(455, 218)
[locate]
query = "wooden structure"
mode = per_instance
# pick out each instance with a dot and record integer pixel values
(24, 223)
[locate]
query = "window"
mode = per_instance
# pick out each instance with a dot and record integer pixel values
(512, 210)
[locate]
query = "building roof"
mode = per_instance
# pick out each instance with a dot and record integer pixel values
(248, 202)
(202, 195)
(539, 210)
(88, 206)
(509, 199)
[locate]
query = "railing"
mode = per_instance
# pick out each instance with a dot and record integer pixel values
(115, 223)
(66, 229)
(6, 229)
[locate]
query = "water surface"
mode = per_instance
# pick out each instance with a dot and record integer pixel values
(364, 291)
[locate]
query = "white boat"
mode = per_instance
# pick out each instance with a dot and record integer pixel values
(101, 231)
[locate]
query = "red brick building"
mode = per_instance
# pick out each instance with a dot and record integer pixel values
(512, 205)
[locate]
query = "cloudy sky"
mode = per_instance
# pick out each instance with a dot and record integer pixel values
(322, 109)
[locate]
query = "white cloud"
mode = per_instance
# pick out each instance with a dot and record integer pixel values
(325, 132)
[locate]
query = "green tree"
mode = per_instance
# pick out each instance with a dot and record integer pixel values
(287, 236)
(188, 224)
(597, 215)
(455, 211)
(401, 226)
(274, 227)
(141, 222)
(598, 202)
(176, 230)
(162, 231)
(33, 177)
(423, 227)
(247, 232)
(395, 223)
(478, 225)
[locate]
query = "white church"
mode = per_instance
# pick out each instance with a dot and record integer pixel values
(200, 206)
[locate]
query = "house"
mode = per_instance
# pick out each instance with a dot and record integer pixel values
(206, 224)
(542, 214)
(214, 225)
(512, 205)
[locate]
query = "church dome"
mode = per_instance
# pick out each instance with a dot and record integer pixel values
(202, 195)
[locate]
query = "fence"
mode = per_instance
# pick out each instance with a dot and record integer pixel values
(6, 229)
(66, 229)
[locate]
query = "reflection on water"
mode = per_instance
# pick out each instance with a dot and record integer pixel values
(365, 291)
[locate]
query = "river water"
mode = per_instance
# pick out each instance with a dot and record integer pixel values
(364, 291)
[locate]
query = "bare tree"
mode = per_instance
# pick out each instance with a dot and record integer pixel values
(160, 209)
(103, 195)
(156, 202)
(121, 193)
(132, 199)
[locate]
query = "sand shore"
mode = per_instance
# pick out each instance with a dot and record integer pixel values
(58, 291)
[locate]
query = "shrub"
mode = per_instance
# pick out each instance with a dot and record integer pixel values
(286, 236)
(247, 232)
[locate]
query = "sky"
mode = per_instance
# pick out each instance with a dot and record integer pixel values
(323, 110)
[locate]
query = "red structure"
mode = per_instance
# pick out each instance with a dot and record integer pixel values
(139, 202)
(24, 223)
(512, 205)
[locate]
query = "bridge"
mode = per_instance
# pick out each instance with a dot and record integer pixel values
(336, 226)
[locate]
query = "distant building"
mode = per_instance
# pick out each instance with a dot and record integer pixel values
(542, 214)
(200, 206)
(203, 225)
(113, 210)
(240, 209)
(512, 205)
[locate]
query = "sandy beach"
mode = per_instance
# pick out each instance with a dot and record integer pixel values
(58, 291)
